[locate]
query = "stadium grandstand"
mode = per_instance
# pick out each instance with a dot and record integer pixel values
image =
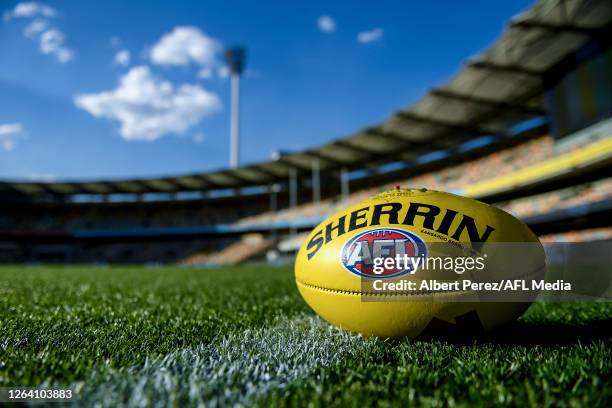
(525, 125)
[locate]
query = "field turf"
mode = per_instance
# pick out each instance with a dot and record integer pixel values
(176, 336)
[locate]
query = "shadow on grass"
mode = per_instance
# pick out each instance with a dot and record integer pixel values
(469, 330)
(532, 333)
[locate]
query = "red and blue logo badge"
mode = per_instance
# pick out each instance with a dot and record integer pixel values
(359, 253)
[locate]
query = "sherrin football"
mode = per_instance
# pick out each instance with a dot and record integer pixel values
(336, 274)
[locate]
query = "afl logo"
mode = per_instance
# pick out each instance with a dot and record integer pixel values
(360, 251)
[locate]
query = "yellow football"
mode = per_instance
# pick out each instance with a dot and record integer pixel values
(397, 264)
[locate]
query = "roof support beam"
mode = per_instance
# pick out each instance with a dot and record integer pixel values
(123, 187)
(459, 127)
(102, 188)
(553, 28)
(42, 186)
(387, 135)
(525, 97)
(269, 168)
(239, 179)
(407, 142)
(174, 185)
(507, 106)
(506, 68)
(286, 161)
(271, 175)
(325, 157)
(180, 186)
(346, 145)
(375, 157)
(210, 185)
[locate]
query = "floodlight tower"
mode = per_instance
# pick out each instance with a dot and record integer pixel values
(235, 59)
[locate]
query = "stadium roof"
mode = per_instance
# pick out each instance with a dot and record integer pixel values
(493, 91)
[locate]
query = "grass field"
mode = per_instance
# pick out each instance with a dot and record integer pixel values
(174, 336)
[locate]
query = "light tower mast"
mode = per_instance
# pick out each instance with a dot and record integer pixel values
(235, 59)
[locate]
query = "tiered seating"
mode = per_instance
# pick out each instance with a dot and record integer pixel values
(248, 246)
(556, 200)
(498, 164)
(254, 210)
(595, 234)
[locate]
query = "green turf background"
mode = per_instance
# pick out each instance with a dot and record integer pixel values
(60, 324)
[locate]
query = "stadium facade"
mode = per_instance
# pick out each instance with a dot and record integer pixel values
(525, 125)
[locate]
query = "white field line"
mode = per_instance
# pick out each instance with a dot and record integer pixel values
(232, 371)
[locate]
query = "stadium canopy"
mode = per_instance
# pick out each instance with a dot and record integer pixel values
(493, 91)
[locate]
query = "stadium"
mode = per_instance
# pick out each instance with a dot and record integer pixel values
(179, 290)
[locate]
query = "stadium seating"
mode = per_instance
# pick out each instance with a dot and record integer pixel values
(248, 246)
(594, 234)
(533, 158)
(561, 199)
(532, 154)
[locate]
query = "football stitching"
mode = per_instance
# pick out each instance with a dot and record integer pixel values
(359, 293)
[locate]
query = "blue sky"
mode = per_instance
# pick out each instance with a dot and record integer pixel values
(127, 89)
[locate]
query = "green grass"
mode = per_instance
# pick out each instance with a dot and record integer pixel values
(141, 336)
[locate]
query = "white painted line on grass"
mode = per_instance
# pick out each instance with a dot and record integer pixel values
(232, 371)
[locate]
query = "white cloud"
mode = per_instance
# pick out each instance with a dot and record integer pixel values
(122, 58)
(185, 45)
(9, 133)
(223, 72)
(148, 107)
(35, 28)
(30, 9)
(43, 177)
(326, 24)
(52, 42)
(370, 36)
(198, 138)
(205, 73)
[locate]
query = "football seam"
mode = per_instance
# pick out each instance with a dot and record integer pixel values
(359, 293)
(412, 293)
